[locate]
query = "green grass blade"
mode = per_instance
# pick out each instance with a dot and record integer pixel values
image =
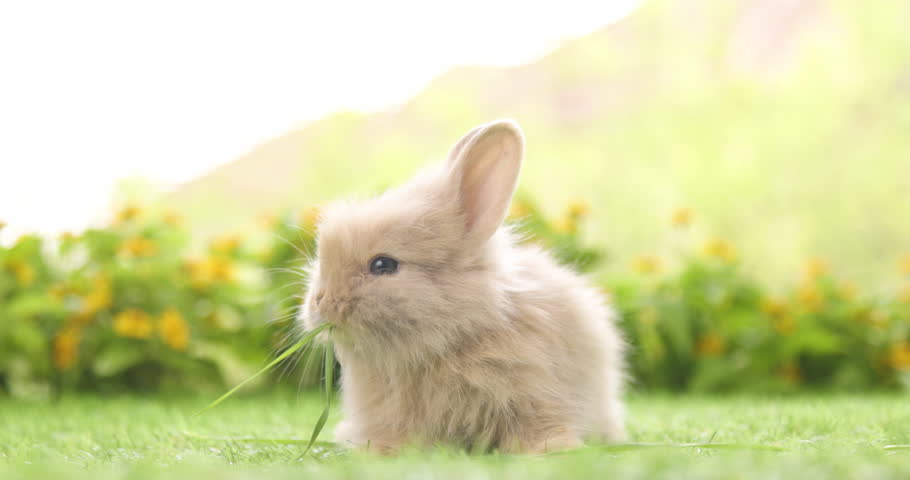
(329, 383)
(316, 431)
(307, 338)
(329, 373)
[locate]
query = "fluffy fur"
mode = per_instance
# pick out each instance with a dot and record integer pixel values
(476, 341)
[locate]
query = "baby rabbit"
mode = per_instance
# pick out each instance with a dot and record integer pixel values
(450, 332)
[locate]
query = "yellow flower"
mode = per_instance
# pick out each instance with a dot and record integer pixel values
(815, 268)
(133, 323)
(174, 330)
(268, 220)
(66, 348)
(203, 273)
(171, 218)
(847, 290)
(899, 359)
(198, 273)
(24, 272)
(904, 295)
(139, 247)
(221, 269)
(310, 217)
(519, 209)
(811, 297)
(578, 208)
(647, 264)
(779, 312)
(876, 318)
(720, 249)
(128, 213)
(791, 373)
(774, 308)
(2, 225)
(566, 225)
(226, 245)
(904, 264)
(681, 218)
(101, 296)
(710, 345)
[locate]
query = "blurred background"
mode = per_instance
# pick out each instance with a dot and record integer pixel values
(735, 174)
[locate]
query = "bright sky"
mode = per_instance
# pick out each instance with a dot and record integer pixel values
(96, 91)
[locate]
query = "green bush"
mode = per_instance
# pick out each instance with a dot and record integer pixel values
(130, 307)
(706, 325)
(137, 306)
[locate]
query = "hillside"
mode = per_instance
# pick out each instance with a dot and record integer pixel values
(783, 124)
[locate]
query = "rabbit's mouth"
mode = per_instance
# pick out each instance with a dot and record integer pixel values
(311, 319)
(341, 329)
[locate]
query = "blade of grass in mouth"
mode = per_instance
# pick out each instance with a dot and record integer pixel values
(329, 383)
(304, 340)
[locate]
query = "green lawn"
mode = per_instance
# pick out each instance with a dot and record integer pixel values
(133, 437)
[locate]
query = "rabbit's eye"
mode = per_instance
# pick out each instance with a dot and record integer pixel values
(383, 265)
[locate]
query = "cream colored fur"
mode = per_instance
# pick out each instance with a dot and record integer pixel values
(476, 341)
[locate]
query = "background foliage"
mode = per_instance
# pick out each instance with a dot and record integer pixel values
(135, 306)
(781, 125)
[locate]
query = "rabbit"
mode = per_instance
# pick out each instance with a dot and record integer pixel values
(448, 330)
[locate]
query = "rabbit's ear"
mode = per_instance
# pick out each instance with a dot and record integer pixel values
(485, 165)
(458, 148)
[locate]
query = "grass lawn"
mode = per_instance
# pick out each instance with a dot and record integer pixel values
(133, 437)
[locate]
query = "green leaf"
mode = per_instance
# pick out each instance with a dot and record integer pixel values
(115, 359)
(232, 368)
(28, 338)
(31, 304)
